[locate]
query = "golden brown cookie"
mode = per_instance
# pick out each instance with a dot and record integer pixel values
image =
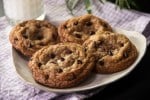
(30, 36)
(79, 29)
(114, 52)
(61, 66)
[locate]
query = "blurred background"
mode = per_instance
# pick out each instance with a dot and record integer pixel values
(141, 5)
(1, 8)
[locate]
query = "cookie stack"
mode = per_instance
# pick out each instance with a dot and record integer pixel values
(65, 58)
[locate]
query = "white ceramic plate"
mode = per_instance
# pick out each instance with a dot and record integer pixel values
(95, 80)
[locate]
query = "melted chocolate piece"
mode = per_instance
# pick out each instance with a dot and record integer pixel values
(121, 44)
(38, 25)
(85, 49)
(78, 35)
(15, 40)
(30, 45)
(107, 33)
(54, 36)
(39, 37)
(125, 55)
(46, 25)
(91, 32)
(68, 51)
(53, 62)
(101, 62)
(75, 23)
(26, 33)
(72, 77)
(52, 55)
(97, 44)
(39, 64)
(46, 77)
(105, 25)
(25, 36)
(88, 23)
(23, 24)
(62, 59)
(79, 62)
(41, 43)
(59, 70)
(65, 26)
(110, 53)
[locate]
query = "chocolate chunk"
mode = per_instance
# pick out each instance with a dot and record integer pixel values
(30, 45)
(25, 33)
(46, 77)
(110, 53)
(75, 23)
(41, 43)
(31, 58)
(15, 39)
(79, 62)
(71, 77)
(105, 25)
(78, 35)
(68, 51)
(52, 55)
(39, 37)
(53, 62)
(85, 49)
(97, 44)
(62, 59)
(54, 35)
(70, 62)
(125, 55)
(91, 32)
(59, 70)
(65, 26)
(101, 62)
(45, 25)
(39, 64)
(94, 44)
(121, 44)
(88, 23)
(23, 24)
(25, 36)
(107, 33)
(38, 25)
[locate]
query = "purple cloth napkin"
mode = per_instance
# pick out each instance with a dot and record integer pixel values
(12, 88)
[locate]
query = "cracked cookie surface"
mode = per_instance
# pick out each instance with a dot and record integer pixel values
(79, 29)
(61, 66)
(30, 36)
(114, 52)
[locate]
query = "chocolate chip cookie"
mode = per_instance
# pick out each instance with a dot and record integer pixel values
(79, 29)
(114, 52)
(61, 66)
(30, 36)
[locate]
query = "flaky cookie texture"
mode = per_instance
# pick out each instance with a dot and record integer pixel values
(30, 36)
(62, 65)
(79, 29)
(114, 52)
